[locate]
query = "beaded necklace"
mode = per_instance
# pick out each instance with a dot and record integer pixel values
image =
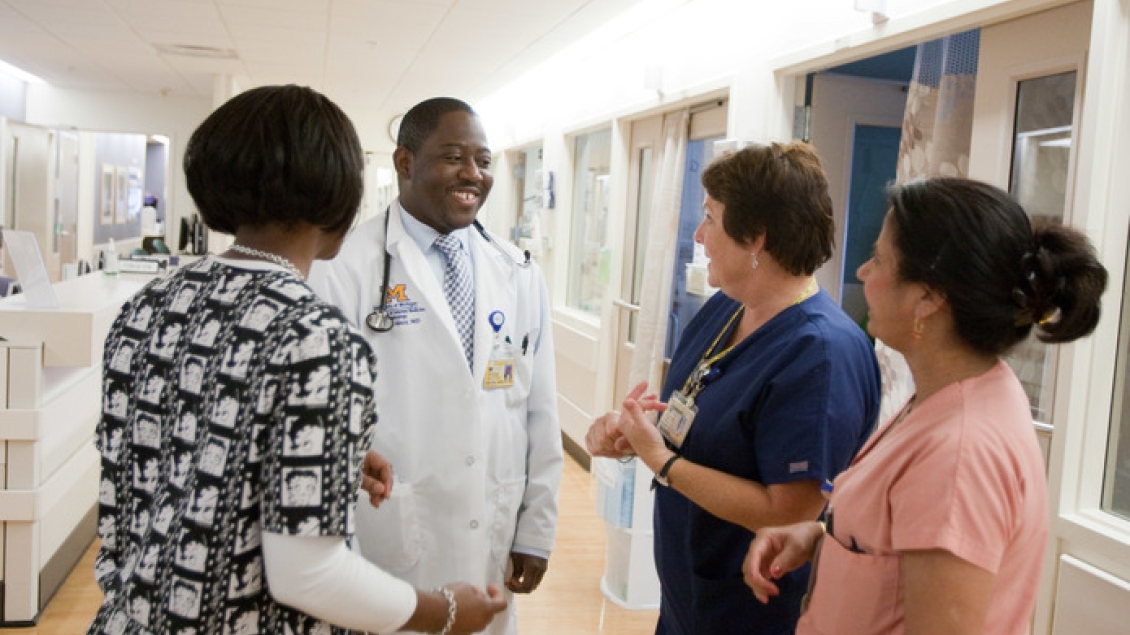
(263, 255)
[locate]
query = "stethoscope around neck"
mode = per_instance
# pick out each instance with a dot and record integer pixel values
(379, 320)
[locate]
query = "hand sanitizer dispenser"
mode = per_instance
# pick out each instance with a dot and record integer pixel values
(110, 260)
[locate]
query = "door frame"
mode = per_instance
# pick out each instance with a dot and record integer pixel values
(709, 118)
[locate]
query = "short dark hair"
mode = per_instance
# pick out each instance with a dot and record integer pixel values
(276, 155)
(781, 191)
(423, 118)
(1000, 273)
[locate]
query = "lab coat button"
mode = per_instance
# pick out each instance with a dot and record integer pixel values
(474, 524)
(470, 460)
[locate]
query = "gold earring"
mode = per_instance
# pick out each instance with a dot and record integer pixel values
(916, 329)
(753, 262)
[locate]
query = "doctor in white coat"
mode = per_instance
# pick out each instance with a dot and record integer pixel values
(475, 447)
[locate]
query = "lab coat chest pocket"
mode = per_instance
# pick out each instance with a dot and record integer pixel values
(390, 535)
(517, 394)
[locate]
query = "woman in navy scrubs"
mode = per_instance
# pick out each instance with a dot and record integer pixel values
(771, 391)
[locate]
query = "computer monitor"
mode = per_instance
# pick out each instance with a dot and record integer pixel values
(185, 235)
(193, 238)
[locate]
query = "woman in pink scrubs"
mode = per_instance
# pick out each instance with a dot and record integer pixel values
(940, 523)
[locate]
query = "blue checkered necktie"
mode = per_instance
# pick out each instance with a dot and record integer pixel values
(458, 287)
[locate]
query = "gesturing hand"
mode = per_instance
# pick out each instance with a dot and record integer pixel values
(776, 551)
(475, 609)
(376, 478)
(637, 427)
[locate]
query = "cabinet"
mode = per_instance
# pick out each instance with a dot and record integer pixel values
(624, 502)
(50, 394)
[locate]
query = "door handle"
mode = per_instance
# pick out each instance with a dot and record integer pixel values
(627, 306)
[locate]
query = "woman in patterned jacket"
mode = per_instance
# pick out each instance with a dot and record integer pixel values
(237, 407)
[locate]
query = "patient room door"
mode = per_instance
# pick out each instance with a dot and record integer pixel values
(646, 138)
(29, 189)
(707, 124)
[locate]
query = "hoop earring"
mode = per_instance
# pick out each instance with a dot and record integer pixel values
(753, 262)
(917, 329)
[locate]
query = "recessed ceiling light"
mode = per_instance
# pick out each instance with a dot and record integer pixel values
(193, 50)
(19, 73)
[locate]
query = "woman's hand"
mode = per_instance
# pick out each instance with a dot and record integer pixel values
(776, 551)
(474, 608)
(376, 478)
(637, 428)
(604, 438)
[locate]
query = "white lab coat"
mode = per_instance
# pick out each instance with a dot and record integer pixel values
(477, 470)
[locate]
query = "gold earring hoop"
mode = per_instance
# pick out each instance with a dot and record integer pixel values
(753, 262)
(917, 328)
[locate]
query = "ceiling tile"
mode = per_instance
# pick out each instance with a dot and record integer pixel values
(274, 19)
(385, 54)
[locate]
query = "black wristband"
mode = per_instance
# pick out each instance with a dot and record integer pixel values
(661, 476)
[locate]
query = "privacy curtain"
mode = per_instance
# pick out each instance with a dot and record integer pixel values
(936, 133)
(662, 233)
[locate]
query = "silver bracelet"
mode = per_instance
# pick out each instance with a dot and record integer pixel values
(451, 608)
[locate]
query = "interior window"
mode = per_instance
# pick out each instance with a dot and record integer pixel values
(1116, 483)
(528, 186)
(589, 254)
(1041, 153)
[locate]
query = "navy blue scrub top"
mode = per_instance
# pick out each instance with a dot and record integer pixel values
(795, 400)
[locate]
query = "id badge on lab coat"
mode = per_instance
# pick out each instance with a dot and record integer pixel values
(499, 373)
(503, 362)
(677, 418)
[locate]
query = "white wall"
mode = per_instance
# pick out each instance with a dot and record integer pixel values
(12, 92)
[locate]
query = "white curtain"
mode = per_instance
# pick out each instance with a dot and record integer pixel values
(936, 132)
(659, 259)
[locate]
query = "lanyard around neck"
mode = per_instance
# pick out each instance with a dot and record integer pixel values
(709, 358)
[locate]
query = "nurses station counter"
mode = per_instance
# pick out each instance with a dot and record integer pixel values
(50, 396)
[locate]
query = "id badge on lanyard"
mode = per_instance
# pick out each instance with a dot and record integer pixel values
(677, 418)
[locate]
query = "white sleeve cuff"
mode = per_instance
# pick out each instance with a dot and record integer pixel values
(321, 577)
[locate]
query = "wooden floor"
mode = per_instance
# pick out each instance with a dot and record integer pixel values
(569, 601)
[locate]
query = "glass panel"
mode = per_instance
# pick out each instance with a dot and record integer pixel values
(643, 215)
(589, 254)
(1116, 486)
(527, 182)
(1041, 153)
(685, 302)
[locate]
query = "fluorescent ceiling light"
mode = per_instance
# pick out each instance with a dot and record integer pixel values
(193, 50)
(19, 73)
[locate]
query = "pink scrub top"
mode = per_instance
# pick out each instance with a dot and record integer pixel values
(963, 472)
